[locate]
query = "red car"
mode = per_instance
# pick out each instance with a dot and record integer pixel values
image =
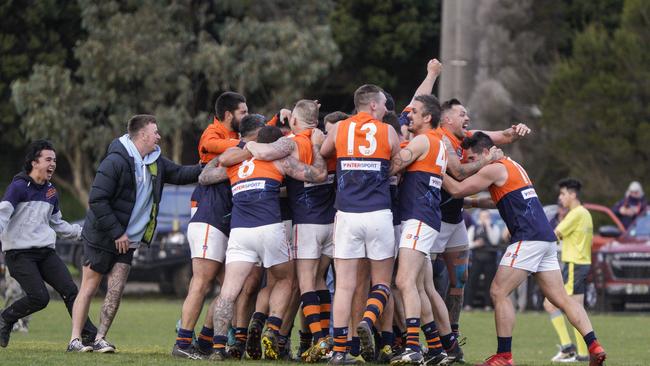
(620, 269)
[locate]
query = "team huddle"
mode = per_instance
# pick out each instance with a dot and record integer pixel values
(280, 203)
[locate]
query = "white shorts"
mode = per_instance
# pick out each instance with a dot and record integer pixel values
(452, 238)
(397, 230)
(364, 235)
(310, 241)
(266, 244)
(417, 235)
(532, 256)
(287, 230)
(206, 241)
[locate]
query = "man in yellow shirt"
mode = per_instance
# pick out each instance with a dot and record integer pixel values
(575, 232)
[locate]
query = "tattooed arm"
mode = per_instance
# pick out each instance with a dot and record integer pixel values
(315, 173)
(460, 170)
(279, 149)
(234, 156)
(212, 174)
(414, 150)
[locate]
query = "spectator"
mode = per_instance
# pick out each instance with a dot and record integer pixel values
(483, 240)
(30, 220)
(123, 201)
(631, 205)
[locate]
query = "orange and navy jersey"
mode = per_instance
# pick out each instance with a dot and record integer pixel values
(310, 203)
(363, 155)
(213, 204)
(451, 208)
(421, 184)
(519, 206)
(216, 139)
(255, 188)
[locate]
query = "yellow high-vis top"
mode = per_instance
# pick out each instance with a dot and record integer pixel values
(577, 231)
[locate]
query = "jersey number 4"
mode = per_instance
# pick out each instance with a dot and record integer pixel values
(370, 137)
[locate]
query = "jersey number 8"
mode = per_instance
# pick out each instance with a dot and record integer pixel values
(246, 168)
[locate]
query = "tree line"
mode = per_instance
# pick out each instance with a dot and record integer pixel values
(576, 71)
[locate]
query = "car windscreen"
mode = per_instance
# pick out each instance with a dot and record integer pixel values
(175, 201)
(641, 227)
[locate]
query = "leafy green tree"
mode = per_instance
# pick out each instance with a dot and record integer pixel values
(382, 42)
(169, 59)
(596, 108)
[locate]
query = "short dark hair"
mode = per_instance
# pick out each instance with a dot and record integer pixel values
(250, 123)
(269, 134)
(390, 118)
(390, 102)
(137, 123)
(34, 152)
(431, 108)
(366, 94)
(335, 117)
(570, 184)
(477, 142)
(447, 105)
(227, 102)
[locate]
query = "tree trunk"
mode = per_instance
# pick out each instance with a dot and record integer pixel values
(177, 145)
(77, 167)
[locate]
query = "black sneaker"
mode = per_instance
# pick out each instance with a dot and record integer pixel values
(5, 331)
(102, 346)
(343, 358)
(218, 355)
(433, 358)
(237, 350)
(408, 357)
(367, 341)
(187, 353)
(455, 355)
(253, 343)
(385, 354)
(76, 345)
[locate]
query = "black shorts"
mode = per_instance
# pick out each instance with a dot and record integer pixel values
(575, 277)
(102, 261)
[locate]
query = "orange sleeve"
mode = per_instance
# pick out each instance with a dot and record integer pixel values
(273, 121)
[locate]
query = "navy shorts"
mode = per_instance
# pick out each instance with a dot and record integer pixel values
(575, 277)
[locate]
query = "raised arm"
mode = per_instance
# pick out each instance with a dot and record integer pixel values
(416, 147)
(461, 171)
(212, 173)
(234, 156)
(509, 135)
(426, 87)
(279, 149)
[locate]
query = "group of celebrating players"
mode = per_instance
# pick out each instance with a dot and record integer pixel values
(279, 202)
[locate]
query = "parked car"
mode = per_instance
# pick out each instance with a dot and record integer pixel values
(621, 262)
(167, 260)
(620, 270)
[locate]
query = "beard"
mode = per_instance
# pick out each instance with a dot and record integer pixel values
(235, 124)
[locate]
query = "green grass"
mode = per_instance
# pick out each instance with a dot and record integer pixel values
(144, 334)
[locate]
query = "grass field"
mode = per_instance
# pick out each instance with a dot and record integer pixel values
(144, 335)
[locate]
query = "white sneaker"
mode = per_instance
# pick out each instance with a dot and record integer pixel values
(566, 354)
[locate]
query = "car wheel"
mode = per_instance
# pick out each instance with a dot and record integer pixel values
(181, 280)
